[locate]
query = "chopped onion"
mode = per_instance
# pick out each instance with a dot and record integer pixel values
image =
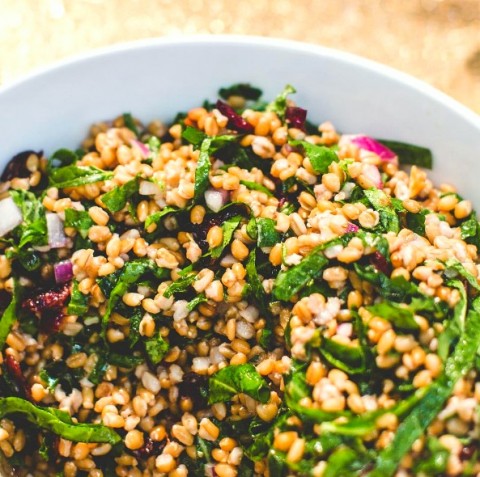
(369, 144)
(371, 172)
(143, 147)
(10, 214)
(56, 235)
(148, 188)
(63, 271)
(216, 198)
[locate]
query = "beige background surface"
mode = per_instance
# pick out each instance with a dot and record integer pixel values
(435, 40)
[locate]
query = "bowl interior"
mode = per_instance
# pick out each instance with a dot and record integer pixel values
(156, 79)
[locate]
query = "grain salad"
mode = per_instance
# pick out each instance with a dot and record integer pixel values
(239, 293)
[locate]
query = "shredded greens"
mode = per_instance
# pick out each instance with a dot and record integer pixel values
(58, 422)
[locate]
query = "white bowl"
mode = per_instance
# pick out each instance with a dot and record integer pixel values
(157, 78)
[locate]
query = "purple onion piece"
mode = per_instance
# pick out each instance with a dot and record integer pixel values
(352, 228)
(144, 149)
(296, 117)
(63, 271)
(235, 121)
(369, 144)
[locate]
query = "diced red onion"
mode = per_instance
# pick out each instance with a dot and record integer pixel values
(216, 198)
(352, 228)
(148, 188)
(56, 235)
(371, 172)
(369, 144)
(296, 117)
(63, 271)
(10, 214)
(143, 147)
(235, 121)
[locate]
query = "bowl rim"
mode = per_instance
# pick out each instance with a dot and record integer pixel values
(293, 46)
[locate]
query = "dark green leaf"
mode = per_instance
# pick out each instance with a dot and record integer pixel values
(117, 198)
(228, 227)
(130, 123)
(416, 222)
(48, 380)
(9, 316)
(74, 176)
(203, 169)
(194, 136)
(397, 289)
(179, 286)
(101, 366)
(320, 156)
(154, 146)
(291, 281)
(79, 220)
(33, 230)
(124, 361)
(366, 423)
(383, 204)
(409, 153)
(157, 216)
(78, 304)
(58, 422)
(402, 317)
(267, 235)
(129, 274)
(256, 186)
(234, 379)
(245, 90)
(455, 325)
(62, 158)
(254, 283)
(350, 359)
(156, 348)
(266, 339)
(279, 106)
(345, 462)
(135, 320)
(454, 267)
(192, 304)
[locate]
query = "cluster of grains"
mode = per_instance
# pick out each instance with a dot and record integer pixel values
(159, 409)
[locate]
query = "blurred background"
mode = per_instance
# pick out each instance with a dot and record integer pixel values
(435, 40)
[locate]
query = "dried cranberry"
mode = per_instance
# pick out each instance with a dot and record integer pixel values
(15, 372)
(50, 321)
(149, 448)
(17, 167)
(48, 300)
(467, 452)
(380, 263)
(296, 117)
(191, 387)
(235, 121)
